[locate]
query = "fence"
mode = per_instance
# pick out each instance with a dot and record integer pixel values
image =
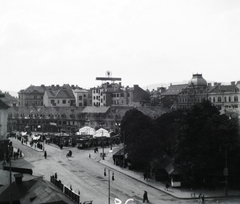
(67, 191)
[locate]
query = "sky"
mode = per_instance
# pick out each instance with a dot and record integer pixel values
(143, 42)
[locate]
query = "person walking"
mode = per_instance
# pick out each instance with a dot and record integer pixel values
(200, 198)
(167, 185)
(145, 175)
(45, 154)
(203, 198)
(145, 197)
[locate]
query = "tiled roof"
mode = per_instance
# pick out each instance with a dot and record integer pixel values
(55, 112)
(41, 191)
(224, 88)
(36, 89)
(9, 98)
(152, 111)
(3, 105)
(70, 112)
(95, 109)
(174, 89)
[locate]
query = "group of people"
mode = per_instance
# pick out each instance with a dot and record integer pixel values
(201, 198)
(17, 153)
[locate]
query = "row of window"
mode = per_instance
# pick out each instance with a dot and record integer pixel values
(211, 99)
(226, 99)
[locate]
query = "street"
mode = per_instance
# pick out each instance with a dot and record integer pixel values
(86, 175)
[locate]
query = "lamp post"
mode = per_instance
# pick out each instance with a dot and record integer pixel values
(225, 171)
(105, 174)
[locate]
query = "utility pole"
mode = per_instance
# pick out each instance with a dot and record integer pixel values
(109, 181)
(225, 171)
(123, 149)
(10, 172)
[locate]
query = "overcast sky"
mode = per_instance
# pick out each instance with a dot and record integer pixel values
(143, 42)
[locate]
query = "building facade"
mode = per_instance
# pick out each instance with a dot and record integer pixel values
(69, 119)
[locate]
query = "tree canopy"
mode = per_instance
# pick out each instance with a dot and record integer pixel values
(192, 137)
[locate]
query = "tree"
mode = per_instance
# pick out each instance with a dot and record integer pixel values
(202, 132)
(166, 128)
(137, 129)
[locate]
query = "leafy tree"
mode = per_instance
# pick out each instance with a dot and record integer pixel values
(203, 130)
(138, 135)
(166, 128)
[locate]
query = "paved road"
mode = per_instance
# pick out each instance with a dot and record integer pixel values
(86, 175)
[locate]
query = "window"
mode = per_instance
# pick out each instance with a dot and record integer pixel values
(229, 98)
(80, 97)
(225, 99)
(80, 104)
(219, 99)
(64, 101)
(213, 99)
(235, 99)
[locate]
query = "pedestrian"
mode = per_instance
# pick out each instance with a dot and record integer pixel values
(45, 154)
(21, 154)
(145, 175)
(167, 185)
(55, 176)
(145, 197)
(89, 155)
(203, 198)
(200, 198)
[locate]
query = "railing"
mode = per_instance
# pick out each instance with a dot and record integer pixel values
(67, 191)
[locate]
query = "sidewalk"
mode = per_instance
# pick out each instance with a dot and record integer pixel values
(179, 193)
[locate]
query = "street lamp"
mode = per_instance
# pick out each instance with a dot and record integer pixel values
(105, 174)
(225, 171)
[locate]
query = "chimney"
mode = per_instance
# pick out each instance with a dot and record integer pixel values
(18, 178)
(209, 84)
(215, 83)
(233, 83)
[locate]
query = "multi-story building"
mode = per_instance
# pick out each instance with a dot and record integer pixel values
(56, 119)
(59, 96)
(113, 94)
(54, 95)
(82, 97)
(33, 95)
(195, 92)
(3, 117)
(169, 97)
(3, 127)
(226, 97)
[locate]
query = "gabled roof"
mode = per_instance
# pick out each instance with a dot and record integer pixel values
(9, 98)
(60, 92)
(174, 89)
(224, 88)
(34, 89)
(35, 190)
